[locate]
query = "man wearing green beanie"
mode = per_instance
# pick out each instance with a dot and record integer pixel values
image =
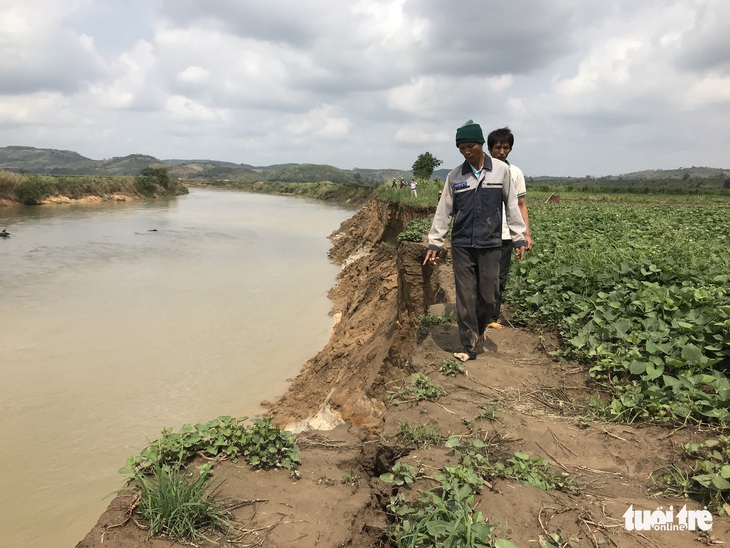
(473, 196)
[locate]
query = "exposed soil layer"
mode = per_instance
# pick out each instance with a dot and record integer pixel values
(62, 200)
(342, 407)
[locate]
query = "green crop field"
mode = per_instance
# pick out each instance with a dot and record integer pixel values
(639, 293)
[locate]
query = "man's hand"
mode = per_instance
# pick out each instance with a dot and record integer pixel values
(528, 241)
(520, 252)
(431, 256)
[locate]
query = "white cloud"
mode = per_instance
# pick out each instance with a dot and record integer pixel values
(705, 45)
(707, 92)
(132, 83)
(608, 65)
(194, 75)
(434, 97)
(185, 109)
(38, 54)
(325, 121)
(240, 80)
(422, 134)
(44, 108)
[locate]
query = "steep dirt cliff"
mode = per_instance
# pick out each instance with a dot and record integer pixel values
(378, 299)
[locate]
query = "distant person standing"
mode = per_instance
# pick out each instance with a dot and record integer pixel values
(413, 188)
(473, 196)
(395, 183)
(402, 182)
(500, 143)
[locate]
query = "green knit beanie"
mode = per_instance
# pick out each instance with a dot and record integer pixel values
(470, 133)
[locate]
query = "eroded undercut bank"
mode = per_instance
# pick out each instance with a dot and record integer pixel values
(380, 295)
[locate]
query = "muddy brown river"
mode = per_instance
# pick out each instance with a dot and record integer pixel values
(117, 320)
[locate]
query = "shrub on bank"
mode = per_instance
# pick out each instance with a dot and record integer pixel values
(33, 189)
(8, 182)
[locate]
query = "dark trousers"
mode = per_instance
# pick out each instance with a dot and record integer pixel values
(504, 263)
(476, 274)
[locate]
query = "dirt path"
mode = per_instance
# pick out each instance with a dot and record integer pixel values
(539, 407)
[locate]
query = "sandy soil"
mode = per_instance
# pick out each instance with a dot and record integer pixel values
(58, 200)
(62, 200)
(347, 428)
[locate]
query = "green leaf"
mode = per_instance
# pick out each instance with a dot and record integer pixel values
(681, 410)
(720, 483)
(673, 362)
(637, 368)
(652, 348)
(653, 371)
(452, 442)
(705, 480)
(692, 355)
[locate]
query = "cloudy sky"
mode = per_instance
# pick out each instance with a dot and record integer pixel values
(590, 87)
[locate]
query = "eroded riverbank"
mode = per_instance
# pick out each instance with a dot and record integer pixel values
(539, 408)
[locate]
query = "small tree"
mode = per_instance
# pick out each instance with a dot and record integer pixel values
(425, 164)
(153, 181)
(159, 175)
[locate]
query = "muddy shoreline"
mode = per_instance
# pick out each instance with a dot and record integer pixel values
(65, 200)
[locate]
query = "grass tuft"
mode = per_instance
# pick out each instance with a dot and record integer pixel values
(177, 505)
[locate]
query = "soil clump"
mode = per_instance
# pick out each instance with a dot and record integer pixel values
(343, 408)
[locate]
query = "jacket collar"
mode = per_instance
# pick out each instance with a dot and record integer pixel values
(466, 166)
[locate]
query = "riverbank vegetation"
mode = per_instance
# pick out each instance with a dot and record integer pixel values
(635, 286)
(638, 293)
(176, 500)
(342, 193)
(326, 191)
(30, 189)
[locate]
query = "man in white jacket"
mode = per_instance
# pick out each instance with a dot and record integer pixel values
(500, 143)
(473, 196)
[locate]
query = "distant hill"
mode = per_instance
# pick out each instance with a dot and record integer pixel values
(650, 179)
(38, 160)
(681, 173)
(207, 169)
(65, 162)
(176, 163)
(311, 173)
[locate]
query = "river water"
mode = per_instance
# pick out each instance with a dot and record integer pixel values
(117, 320)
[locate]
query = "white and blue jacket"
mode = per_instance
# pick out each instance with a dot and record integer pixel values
(475, 204)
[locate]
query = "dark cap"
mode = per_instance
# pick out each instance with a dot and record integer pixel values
(470, 133)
